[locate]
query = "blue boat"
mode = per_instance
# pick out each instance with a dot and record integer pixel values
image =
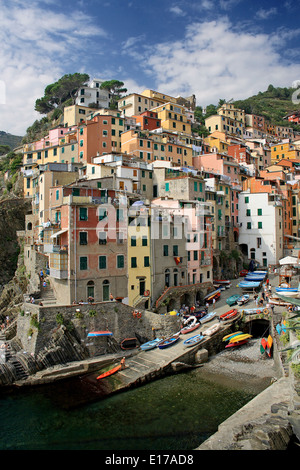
(100, 333)
(249, 284)
(193, 340)
(286, 289)
(150, 344)
(208, 317)
(168, 341)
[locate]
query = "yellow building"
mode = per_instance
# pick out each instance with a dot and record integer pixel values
(139, 257)
(229, 120)
(217, 140)
(282, 150)
(152, 146)
(173, 118)
(76, 114)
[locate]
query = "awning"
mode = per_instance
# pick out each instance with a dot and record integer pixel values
(59, 233)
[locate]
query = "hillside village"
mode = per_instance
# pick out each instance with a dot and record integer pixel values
(133, 204)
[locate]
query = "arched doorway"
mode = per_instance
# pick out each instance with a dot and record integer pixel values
(90, 289)
(167, 277)
(105, 290)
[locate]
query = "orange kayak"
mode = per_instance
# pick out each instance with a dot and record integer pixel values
(111, 371)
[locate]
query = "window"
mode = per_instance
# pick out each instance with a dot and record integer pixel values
(102, 238)
(133, 241)
(83, 263)
(83, 214)
(144, 241)
(259, 211)
(83, 238)
(246, 200)
(102, 262)
(133, 262)
(146, 261)
(102, 214)
(175, 250)
(165, 250)
(167, 186)
(248, 212)
(120, 261)
(260, 225)
(249, 225)
(120, 215)
(195, 255)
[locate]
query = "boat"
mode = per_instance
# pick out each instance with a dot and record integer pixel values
(150, 344)
(236, 344)
(189, 328)
(208, 317)
(168, 341)
(232, 300)
(249, 284)
(112, 370)
(228, 315)
(252, 311)
(129, 343)
(222, 284)
(279, 302)
(243, 299)
(100, 333)
(285, 290)
(222, 281)
(240, 338)
(212, 295)
(193, 341)
(230, 335)
(212, 329)
(266, 345)
(254, 277)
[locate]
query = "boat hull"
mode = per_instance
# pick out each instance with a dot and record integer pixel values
(193, 341)
(168, 342)
(238, 343)
(110, 372)
(150, 344)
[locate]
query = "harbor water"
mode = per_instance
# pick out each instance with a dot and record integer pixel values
(177, 412)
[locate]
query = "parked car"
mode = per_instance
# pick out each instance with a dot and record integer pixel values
(243, 273)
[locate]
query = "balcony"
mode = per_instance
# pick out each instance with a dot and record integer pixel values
(49, 248)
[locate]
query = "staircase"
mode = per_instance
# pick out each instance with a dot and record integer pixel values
(47, 296)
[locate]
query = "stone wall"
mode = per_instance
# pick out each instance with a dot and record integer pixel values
(81, 319)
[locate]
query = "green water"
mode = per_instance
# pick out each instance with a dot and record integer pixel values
(175, 413)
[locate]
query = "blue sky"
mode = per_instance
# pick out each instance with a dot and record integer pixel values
(213, 49)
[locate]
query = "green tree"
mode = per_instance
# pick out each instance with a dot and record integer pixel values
(115, 89)
(57, 94)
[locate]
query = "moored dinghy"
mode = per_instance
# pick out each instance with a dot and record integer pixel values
(168, 341)
(193, 341)
(150, 344)
(212, 329)
(208, 317)
(243, 299)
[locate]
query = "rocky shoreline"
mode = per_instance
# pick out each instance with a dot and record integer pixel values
(245, 364)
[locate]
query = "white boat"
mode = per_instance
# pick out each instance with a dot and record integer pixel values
(212, 329)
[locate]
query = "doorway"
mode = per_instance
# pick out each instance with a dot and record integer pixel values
(142, 286)
(105, 291)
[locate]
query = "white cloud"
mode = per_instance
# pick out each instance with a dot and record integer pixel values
(177, 11)
(37, 47)
(214, 60)
(264, 14)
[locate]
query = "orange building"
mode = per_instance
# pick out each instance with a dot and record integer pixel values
(99, 135)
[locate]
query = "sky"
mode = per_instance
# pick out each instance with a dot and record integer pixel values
(223, 49)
